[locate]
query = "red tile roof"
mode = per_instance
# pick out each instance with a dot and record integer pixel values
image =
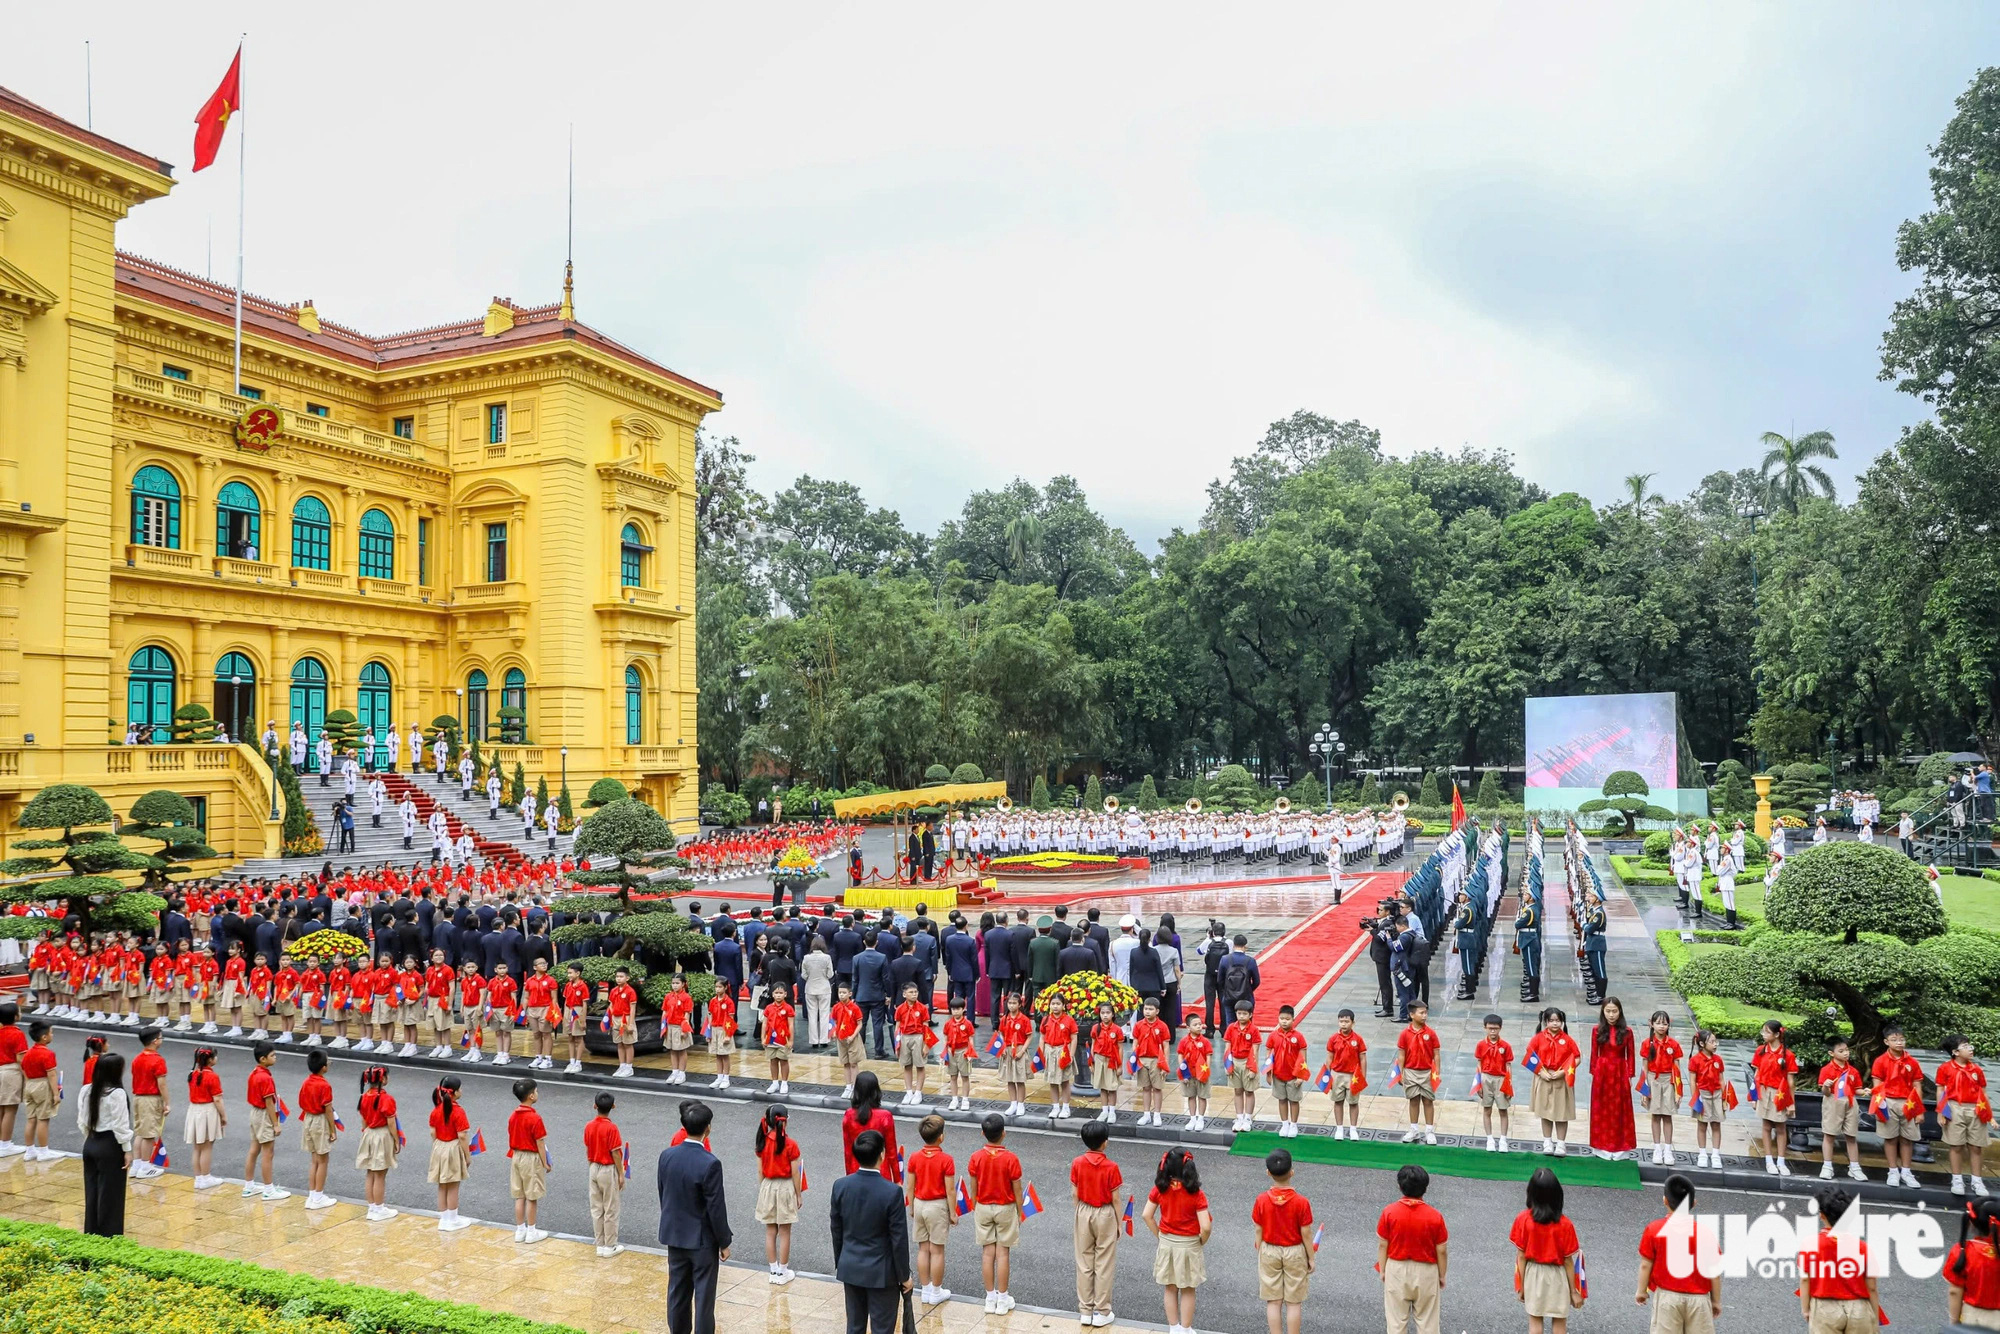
(201, 297)
(16, 105)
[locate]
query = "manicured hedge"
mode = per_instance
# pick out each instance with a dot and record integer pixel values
(40, 1293)
(361, 1308)
(1734, 1019)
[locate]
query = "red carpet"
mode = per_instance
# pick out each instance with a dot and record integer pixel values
(1302, 965)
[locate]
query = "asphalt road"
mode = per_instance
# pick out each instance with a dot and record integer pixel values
(1478, 1296)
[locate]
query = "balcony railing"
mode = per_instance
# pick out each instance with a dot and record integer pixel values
(166, 560)
(511, 590)
(245, 571)
(387, 588)
(332, 580)
(300, 425)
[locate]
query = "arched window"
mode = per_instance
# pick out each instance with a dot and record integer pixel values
(475, 705)
(514, 695)
(236, 696)
(631, 558)
(635, 708)
(378, 546)
(149, 693)
(156, 508)
(312, 534)
(238, 523)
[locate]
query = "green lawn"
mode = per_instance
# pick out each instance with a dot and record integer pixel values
(1971, 901)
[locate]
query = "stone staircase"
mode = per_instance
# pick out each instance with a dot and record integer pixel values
(496, 842)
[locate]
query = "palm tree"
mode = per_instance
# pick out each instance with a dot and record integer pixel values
(1024, 538)
(1789, 474)
(1637, 496)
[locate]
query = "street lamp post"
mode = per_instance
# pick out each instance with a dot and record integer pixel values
(1326, 744)
(235, 684)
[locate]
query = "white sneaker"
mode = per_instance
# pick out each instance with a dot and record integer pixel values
(1492, 1146)
(576, 1068)
(1430, 1137)
(409, 1049)
(1826, 1171)
(1978, 1185)
(235, 1031)
(606, 1252)
(455, 1223)
(285, 1038)
(1854, 1172)
(1770, 1165)
(378, 1212)
(1784, 1168)
(1101, 1319)
(277, 1193)
(992, 1303)
(772, 1087)
(364, 1044)
(251, 1188)
(1503, 1144)
(1562, 1148)
(471, 1056)
(209, 1029)
(721, 1081)
(625, 1072)
(1410, 1135)
(9, 1148)
(338, 1044)
(1667, 1158)
(316, 1200)
(784, 1087)
(783, 1276)
(502, 1057)
(207, 1183)
(1005, 1304)
(940, 1294)
(186, 1025)
(533, 1235)
(313, 1040)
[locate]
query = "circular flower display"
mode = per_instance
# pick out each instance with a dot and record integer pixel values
(1084, 992)
(324, 946)
(1052, 861)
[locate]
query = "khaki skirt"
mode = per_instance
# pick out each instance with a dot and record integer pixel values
(1545, 1290)
(1552, 1100)
(1106, 1074)
(1015, 1069)
(720, 1043)
(449, 1162)
(1178, 1262)
(678, 1039)
(204, 1123)
(378, 1149)
(777, 1201)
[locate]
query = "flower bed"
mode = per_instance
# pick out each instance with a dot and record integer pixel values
(324, 946)
(1084, 991)
(55, 1281)
(1070, 864)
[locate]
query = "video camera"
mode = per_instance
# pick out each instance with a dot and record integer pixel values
(1385, 915)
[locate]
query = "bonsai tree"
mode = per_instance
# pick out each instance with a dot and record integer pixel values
(936, 776)
(342, 730)
(603, 792)
(637, 843)
(968, 773)
(301, 830)
(87, 852)
(1800, 787)
(1624, 803)
(513, 725)
(168, 818)
(192, 724)
(518, 788)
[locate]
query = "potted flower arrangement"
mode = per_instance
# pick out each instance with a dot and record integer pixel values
(324, 947)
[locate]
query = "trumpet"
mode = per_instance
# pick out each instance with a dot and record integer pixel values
(1111, 805)
(1282, 805)
(1193, 806)
(1400, 803)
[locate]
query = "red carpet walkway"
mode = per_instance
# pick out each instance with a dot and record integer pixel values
(1300, 966)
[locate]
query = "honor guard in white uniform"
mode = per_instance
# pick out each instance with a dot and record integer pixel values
(408, 810)
(440, 834)
(527, 817)
(551, 819)
(298, 746)
(324, 753)
(465, 771)
(378, 797)
(493, 793)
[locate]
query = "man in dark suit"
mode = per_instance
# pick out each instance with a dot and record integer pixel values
(871, 1241)
(1023, 935)
(694, 1224)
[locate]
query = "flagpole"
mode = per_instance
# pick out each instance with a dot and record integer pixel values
(242, 158)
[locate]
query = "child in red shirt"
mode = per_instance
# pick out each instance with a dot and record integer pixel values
(1898, 1103)
(721, 1035)
(1196, 1055)
(472, 1004)
(1241, 1041)
(958, 1031)
(285, 1001)
(1058, 1037)
(317, 1129)
(780, 1183)
(914, 1040)
(778, 1016)
(1495, 1089)
(1417, 1052)
(1774, 1065)
(1097, 1183)
(1961, 1086)
(1287, 1048)
(207, 1117)
(527, 1161)
(312, 999)
(1284, 1259)
(257, 986)
(843, 1023)
(575, 1007)
(262, 1095)
(1016, 1031)
(538, 1002)
(234, 973)
(41, 1090)
(1840, 1110)
(339, 1000)
(1972, 1268)
(1150, 1037)
(501, 1003)
(1347, 1071)
(451, 1154)
(1706, 1068)
(606, 1152)
(996, 1209)
(1107, 1061)
(1552, 1058)
(1545, 1250)
(380, 1139)
(1412, 1252)
(927, 1191)
(438, 978)
(1177, 1212)
(1660, 1078)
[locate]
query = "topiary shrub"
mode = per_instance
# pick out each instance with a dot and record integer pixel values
(1842, 889)
(638, 842)
(936, 776)
(968, 773)
(1968, 965)
(87, 852)
(1659, 847)
(1934, 770)
(1927, 1024)
(192, 724)
(1093, 795)
(1371, 792)
(727, 808)
(1490, 795)
(603, 792)
(342, 730)
(1149, 795)
(1429, 795)
(1038, 795)
(517, 789)
(1624, 803)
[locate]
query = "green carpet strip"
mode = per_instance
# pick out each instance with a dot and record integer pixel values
(1574, 1170)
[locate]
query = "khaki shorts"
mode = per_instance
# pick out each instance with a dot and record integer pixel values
(1493, 1092)
(1661, 1100)
(1243, 1077)
(721, 1043)
(1106, 1074)
(911, 1050)
(232, 995)
(1966, 1128)
(777, 1201)
(850, 1050)
(1839, 1116)
(931, 1220)
(1894, 1125)
(10, 1084)
(1178, 1262)
(1841, 1317)
(1151, 1076)
(316, 1132)
(1197, 1091)
(40, 1100)
(149, 1115)
(263, 1126)
(527, 1176)
(381, 1012)
(1417, 1084)
(1768, 1109)
(958, 1065)
(440, 1017)
(1545, 1290)
(1681, 1312)
(1289, 1090)
(996, 1224)
(1342, 1091)
(539, 1025)
(1973, 1317)
(1283, 1273)
(1711, 1107)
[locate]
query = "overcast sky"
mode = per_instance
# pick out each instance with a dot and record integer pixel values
(928, 249)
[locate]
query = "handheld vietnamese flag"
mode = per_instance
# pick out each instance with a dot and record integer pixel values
(1031, 1201)
(1729, 1098)
(804, 1184)
(159, 1158)
(964, 1204)
(478, 1145)
(1128, 1215)
(213, 118)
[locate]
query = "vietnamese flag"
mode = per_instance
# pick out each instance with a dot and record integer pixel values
(213, 118)
(1457, 800)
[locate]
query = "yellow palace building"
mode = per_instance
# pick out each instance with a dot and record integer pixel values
(491, 519)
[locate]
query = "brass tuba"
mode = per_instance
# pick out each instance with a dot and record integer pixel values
(1282, 805)
(1111, 805)
(1004, 805)
(1193, 806)
(1401, 803)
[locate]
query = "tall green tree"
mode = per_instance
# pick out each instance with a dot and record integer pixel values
(1790, 475)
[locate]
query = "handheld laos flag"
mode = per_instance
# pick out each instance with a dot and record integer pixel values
(1031, 1201)
(995, 1047)
(159, 1158)
(1695, 1107)
(1264, 1067)
(1128, 1215)
(1533, 1063)
(1038, 1064)
(1395, 1072)
(604, 1024)
(1132, 1063)
(1944, 1109)
(1646, 1085)
(284, 1112)
(1325, 1080)
(1582, 1279)
(465, 1038)
(1318, 1232)
(402, 1140)
(478, 1145)
(901, 1159)
(625, 1152)
(1843, 1088)
(1181, 1071)
(338, 1124)
(964, 1204)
